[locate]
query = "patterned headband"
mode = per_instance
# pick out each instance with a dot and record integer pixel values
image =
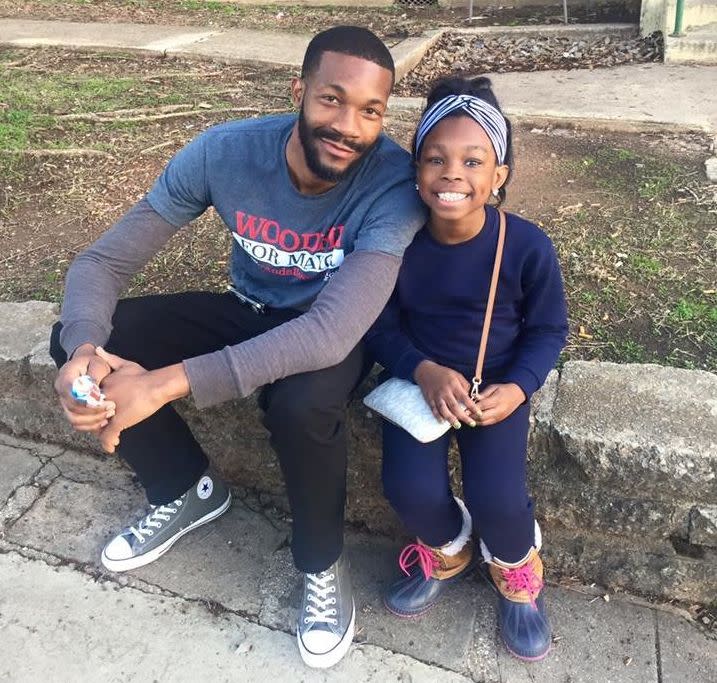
(484, 114)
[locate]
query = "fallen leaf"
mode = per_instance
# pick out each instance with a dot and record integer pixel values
(583, 334)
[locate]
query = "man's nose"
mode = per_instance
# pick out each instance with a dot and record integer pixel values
(346, 122)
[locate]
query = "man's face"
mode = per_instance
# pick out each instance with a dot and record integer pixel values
(342, 105)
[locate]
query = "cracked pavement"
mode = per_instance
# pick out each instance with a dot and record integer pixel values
(221, 604)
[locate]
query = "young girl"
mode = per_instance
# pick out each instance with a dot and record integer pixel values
(430, 332)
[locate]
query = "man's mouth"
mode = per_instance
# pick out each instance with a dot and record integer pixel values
(337, 149)
(451, 196)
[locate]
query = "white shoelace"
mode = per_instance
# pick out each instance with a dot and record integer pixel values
(320, 586)
(154, 519)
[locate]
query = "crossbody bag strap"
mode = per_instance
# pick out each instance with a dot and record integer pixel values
(477, 378)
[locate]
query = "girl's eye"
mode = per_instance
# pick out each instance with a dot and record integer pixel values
(472, 163)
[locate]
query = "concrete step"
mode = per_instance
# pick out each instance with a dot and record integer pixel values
(696, 46)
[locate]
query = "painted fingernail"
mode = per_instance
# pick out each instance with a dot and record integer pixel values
(456, 425)
(473, 424)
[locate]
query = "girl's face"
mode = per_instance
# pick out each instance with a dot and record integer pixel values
(457, 173)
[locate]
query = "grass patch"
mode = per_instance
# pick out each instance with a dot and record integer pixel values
(624, 170)
(209, 5)
(35, 104)
(645, 265)
(14, 128)
(638, 261)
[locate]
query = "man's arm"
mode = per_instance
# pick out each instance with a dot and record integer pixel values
(100, 273)
(337, 320)
(320, 338)
(94, 282)
(323, 336)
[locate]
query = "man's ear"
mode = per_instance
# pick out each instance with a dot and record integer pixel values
(298, 88)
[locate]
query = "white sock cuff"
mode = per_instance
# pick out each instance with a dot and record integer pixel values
(488, 557)
(458, 543)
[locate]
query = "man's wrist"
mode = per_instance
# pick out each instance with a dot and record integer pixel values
(86, 349)
(170, 383)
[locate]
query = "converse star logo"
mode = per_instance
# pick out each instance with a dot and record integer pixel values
(205, 488)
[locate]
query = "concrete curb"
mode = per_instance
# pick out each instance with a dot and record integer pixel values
(551, 30)
(574, 121)
(625, 485)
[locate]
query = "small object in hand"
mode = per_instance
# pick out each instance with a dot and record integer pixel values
(85, 389)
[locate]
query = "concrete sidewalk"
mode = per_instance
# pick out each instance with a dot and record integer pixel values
(634, 97)
(221, 604)
(230, 45)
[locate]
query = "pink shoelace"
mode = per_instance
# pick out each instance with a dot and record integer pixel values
(524, 579)
(416, 553)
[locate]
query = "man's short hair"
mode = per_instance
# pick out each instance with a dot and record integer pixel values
(347, 40)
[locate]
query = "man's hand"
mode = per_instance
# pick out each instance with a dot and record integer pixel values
(82, 417)
(137, 393)
(445, 390)
(497, 401)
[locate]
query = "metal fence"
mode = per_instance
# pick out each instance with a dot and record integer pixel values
(417, 3)
(425, 3)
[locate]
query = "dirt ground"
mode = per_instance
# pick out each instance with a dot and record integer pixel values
(397, 21)
(82, 136)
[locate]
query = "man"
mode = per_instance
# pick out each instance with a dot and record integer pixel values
(321, 207)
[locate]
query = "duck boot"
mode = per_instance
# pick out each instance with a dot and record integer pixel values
(523, 622)
(428, 571)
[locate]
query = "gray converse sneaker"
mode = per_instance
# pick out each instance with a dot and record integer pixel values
(155, 534)
(325, 626)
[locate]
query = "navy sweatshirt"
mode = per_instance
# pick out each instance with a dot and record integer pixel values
(437, 309)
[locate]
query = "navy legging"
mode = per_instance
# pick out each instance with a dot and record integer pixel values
(416, 483)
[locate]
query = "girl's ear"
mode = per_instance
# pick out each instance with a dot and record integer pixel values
(500, 176)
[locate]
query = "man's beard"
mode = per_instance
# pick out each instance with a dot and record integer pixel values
(309, 138)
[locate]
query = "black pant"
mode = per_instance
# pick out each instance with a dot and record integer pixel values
(305, 413)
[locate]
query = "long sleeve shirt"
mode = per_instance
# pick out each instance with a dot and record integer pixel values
(437, 309)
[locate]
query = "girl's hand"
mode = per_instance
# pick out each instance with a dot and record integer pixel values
(497, 401)
(445, 390)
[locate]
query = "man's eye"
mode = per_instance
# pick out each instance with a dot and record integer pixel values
(434, 160)
(330, 98)
(371, 111)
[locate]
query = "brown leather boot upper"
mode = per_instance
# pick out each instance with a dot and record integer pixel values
(522, 583)
(434, 563)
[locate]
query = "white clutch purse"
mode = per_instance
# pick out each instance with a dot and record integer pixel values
(401, 402)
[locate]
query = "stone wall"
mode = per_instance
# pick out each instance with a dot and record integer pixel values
(623, 460)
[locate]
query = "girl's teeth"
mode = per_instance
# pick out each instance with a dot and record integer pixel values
(451, 196)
